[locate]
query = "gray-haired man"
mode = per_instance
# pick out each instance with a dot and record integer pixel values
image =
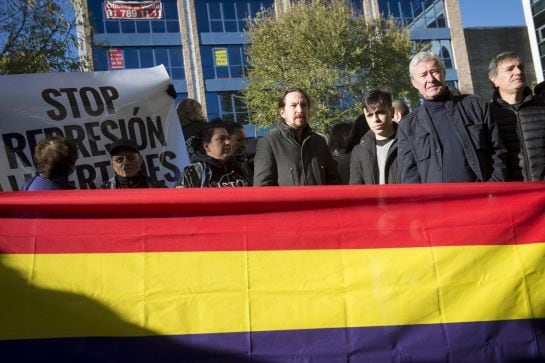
(448, 138)
(520, 117)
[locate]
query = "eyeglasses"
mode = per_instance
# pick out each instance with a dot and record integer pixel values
(119, 159)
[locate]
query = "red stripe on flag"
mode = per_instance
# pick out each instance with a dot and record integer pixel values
(295, 218)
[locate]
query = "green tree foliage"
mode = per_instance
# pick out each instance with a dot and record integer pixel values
(324, 48)
(38, 36)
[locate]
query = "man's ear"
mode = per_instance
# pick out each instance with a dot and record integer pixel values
(281, 112)
(493, 82)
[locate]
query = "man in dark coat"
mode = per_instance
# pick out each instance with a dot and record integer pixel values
(374, 159)
(449, 138)
(520, 117)
(293, 154)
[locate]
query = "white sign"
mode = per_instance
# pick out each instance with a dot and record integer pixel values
(93, 109)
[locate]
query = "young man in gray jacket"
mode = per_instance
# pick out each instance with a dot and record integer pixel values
(293, 154)
(374, 159)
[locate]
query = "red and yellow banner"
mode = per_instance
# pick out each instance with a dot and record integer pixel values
(349, 273)
(133, 9)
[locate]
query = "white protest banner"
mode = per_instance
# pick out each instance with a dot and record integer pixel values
(93, 109)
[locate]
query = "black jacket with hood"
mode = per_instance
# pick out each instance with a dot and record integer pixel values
(207, 172)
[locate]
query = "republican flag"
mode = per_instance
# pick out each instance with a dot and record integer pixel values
(395, 273)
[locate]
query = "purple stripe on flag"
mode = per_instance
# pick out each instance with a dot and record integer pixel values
(498, 341)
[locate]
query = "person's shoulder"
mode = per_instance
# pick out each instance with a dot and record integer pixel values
(274, 133)
(106, 185)
(38, 183)
(535, 101)
(154, 183)
(316, 136)
(409, 120)
(195, 167)
(466, 100)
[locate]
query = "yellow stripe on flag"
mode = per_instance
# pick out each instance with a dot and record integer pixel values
(211, 292)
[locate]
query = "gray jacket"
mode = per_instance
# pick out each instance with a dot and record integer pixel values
(280, 160)
(419, 149)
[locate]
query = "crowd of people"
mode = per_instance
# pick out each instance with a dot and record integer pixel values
(450, 137)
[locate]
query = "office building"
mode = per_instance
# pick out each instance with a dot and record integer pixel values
(534, 14)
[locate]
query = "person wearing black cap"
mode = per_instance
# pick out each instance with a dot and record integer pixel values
(127, 164)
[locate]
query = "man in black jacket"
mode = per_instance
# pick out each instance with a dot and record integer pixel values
(449, 138)
(520, 117)
(293, 154)
(374, 159)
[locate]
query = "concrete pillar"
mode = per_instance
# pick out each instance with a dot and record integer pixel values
(459, 48)
(191, 51)
(534, 45)
(281, 6)
(370, 9)
(83, 31)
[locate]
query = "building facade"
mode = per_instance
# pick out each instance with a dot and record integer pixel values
(201, 42)
(534, 14)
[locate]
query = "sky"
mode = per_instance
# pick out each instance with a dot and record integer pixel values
(484, 13)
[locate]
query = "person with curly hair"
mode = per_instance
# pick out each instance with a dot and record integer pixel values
(55, 159)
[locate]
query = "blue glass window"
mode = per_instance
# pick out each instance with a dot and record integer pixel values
(158, 26)
(176, 59)
(227, 16)
(128, 26)
(230, 26)
(177, 73)
(230, 106)
(216, 26)
(146, 57)
(100, 59)
(222, 72)
(173, 26)
(161, 57)
(112, 27)
(143, 26)
(96, 16)
(131, 57)
(170, 9)
(236, 59)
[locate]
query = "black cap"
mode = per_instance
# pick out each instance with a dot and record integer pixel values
(123, 144)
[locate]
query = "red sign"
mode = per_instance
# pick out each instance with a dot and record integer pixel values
(117, 60)
(133, 9)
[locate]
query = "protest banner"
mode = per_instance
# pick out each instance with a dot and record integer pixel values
(93, 109)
